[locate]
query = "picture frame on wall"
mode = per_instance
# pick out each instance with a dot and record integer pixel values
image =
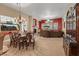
(55, 26)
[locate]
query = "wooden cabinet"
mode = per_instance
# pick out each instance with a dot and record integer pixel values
(70, 46)
(46, 33)
(71, 40)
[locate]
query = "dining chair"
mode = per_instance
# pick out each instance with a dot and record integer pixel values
(31, 39)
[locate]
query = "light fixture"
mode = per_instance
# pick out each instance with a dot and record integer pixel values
(19, 11)
(19, 16)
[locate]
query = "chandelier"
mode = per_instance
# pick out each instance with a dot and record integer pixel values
(19, 11)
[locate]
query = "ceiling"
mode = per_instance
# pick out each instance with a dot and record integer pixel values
(42, 10)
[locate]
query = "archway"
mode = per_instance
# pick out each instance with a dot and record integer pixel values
(6, 41)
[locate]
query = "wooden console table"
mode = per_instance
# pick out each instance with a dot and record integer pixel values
(46, 33)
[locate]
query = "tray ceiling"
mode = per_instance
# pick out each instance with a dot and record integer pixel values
(42, 10)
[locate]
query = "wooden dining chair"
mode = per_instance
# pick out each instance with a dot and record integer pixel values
(25, 42)
(22, 42)
(17, 36)
(31, 40)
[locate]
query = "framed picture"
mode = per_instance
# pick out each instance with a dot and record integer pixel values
(55, 26)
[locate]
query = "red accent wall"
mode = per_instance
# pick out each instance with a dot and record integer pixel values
(40, 23)
(58, 20)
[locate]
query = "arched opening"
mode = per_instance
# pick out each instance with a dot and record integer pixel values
(6, 43)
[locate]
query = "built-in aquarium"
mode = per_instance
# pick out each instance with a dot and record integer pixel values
(9, 27)
(8, 23)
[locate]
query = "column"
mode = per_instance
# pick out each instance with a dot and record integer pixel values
(30, 23)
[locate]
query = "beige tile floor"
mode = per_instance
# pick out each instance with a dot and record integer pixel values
(43, 47)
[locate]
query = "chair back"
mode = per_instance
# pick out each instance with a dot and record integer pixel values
(30, 37)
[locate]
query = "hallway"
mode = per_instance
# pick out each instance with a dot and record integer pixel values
(43, 47)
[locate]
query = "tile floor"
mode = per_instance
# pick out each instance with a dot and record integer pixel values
(43, 47)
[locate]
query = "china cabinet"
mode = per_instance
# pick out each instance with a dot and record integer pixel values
(71, 39)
